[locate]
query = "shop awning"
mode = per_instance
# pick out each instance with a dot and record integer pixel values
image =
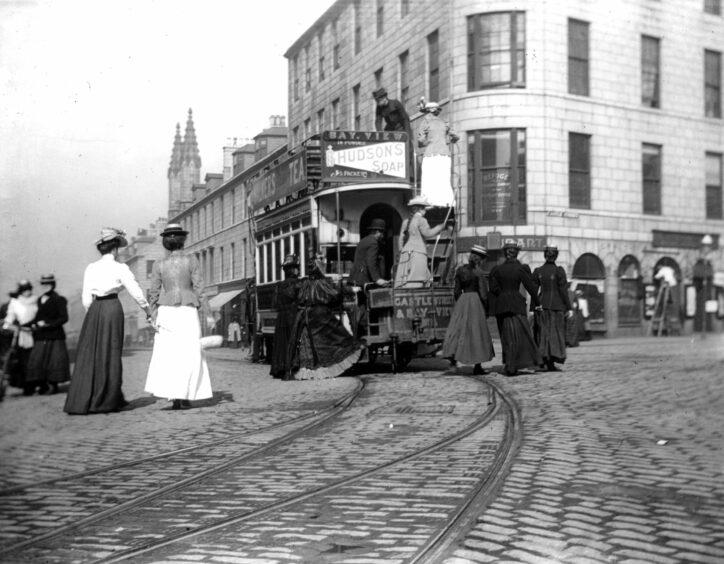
(223, 297)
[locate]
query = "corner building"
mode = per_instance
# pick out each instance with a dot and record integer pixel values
(595, 127)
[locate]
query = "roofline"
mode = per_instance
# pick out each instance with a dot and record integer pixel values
(331, 12)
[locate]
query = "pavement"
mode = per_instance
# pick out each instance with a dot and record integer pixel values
(621, 457)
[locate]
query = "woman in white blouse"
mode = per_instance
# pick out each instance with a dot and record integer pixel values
(95, 386)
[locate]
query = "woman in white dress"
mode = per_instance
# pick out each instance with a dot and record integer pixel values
(20, 313)
(178, 369)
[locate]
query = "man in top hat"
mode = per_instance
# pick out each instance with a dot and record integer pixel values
(368, 268)
(550, 321)
(49, 364)
(435, 136)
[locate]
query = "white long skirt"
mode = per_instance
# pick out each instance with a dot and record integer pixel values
(435, 181)
(178, 368)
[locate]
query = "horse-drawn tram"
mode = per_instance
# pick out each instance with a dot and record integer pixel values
(320, 198)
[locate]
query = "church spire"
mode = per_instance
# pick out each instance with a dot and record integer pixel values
(190, 150)
(175, 165)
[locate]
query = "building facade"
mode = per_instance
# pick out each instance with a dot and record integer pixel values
(595, 127)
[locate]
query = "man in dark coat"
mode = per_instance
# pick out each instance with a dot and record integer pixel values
(368, 268)
(392, 113)
(550, 322)
(49, 362)
(509, 307)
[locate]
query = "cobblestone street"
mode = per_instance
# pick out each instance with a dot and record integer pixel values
(619, 458)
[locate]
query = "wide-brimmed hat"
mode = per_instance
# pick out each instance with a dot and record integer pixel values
(111, 233)
(432, 106)
(47, 279)
(511, 245)
(377, 225)
(174, 229)
(379, 93)
(479, 250)
(24, 285)
(419, 201)
(290, 261)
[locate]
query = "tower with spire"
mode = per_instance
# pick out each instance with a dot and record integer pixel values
(184, 170)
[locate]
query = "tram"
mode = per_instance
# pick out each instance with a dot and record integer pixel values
(320, 198)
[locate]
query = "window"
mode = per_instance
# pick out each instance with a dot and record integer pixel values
(357, 27)
(320, 47)
(233, 206)
(335, 113)
(321, 68)
(712, 84)
(243, 258)
(433, 65)
(211, 217)
(308, 71)
(378, 78)
(714, 207)
(221, 212)
(650, 71)
(335, 49)
(320, 120)
(380, 18)
(295, 77)
(404, 77)
(212, 271)
(295, 135)
(496, 50)
(307, 128)
(404, 8)
(712, 7)
(232, 260)
(577, 57)
(496, 176)
(222, 264)
(579, 171)
(356, 116)
(651, 171)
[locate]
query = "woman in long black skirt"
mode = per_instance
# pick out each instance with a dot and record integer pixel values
(516, 337)
(286, 303)
(95, 386)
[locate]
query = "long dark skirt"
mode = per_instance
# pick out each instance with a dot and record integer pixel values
(467, 339)
(572, 329)
(322, 347)
(519, 348)
(550, 334)
(95, 386)
(282, 336)
(48, 363)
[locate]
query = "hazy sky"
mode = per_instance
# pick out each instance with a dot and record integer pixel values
(90, 94)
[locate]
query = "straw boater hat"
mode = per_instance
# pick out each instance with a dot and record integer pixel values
(479, 250)
(173, 229)
(511, 245)
(47, 279)
(419, 201)
(24, 285)
(111, 233)
(432, 107)
(290, 261)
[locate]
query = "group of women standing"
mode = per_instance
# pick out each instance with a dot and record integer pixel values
(468, 339)
(178, 369)
(36, 347)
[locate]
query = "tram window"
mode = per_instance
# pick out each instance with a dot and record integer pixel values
(269, 263)
(306, 221)
(295, 225)
(278, 259)
(277, 232)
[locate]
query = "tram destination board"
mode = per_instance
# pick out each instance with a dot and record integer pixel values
(364, 156)
(415, 302)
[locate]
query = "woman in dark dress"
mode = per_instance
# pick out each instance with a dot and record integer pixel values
(286, 303)
(49, 365)
(519, 346)
(550, 321)
(321, 346)
(467, 338)
(95, 386)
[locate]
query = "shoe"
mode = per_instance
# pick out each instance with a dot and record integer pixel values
(479, 370)
(511, 372)
(43, 389)
(185, 404)
(176, 404)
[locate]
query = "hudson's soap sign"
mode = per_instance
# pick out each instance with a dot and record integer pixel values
(364, 155)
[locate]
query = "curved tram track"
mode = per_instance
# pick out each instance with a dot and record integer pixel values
(335, 486)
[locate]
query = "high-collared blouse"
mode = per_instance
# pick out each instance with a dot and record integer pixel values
(106, 276)
(176, 281)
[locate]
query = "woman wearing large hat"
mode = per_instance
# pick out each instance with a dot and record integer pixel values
(96, 383)
(467, 338)
(21, 311)
(412, 271)
(178, 369)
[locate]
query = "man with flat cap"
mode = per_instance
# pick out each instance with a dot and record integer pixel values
(550, 322)
(390, 115)
(368, 267)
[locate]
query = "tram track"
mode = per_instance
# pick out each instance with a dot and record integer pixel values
(129, 550)
(14, 490)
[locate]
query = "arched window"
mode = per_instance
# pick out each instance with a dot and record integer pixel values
(588, 280)
(589, 266)
(630, 292)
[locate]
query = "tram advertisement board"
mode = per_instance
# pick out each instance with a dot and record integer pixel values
(279, 182)
(364, 156)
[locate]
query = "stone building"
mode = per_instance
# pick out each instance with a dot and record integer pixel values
(595, 127)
